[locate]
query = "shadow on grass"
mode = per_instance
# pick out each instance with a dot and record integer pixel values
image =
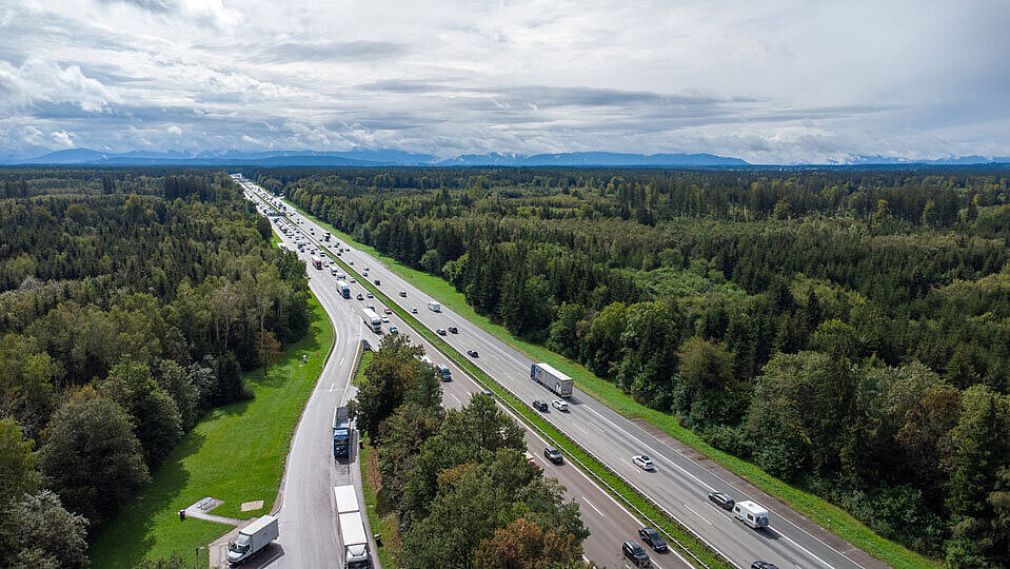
(134, 524)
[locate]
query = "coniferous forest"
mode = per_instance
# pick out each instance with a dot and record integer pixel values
(847, 330)
(130, 303)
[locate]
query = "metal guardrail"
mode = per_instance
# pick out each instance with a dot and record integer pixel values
(490, 382)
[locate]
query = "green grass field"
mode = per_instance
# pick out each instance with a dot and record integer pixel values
(816, 509)
(236, 454)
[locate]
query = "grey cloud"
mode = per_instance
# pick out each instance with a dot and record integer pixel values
(319, 51)
(461, 77)
(160, 6)
(591, 96)
(407, 86)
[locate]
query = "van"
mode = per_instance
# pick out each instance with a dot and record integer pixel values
(751, 513)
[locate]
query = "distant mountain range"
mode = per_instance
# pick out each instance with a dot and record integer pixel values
(391, 157)
(949, 161)
(381, 157)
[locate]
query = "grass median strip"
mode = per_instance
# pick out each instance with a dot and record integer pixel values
(236, 454)
(588, 463)
(816, 509)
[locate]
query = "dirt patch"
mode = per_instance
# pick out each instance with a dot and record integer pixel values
(250, 506)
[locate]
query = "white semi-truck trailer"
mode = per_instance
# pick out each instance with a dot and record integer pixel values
(352, 528)
(552, 379)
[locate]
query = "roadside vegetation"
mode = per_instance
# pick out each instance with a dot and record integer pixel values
(131, 304)
(827, 327)
(457, 480)
(678, 535)
(252, 437)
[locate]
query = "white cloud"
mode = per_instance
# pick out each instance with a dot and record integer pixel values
(782, 80)
(63, 138)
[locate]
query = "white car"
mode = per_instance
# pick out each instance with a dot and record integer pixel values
(643, 462)
(385, 318)
(559, 405)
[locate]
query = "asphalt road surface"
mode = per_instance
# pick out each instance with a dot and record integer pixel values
(307, 520)
(682, 478)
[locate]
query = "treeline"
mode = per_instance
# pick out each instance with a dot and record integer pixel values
(463, 493)
(123, 318)
(694, 291)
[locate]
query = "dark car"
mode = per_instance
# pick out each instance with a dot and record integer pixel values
(652, 538)
(763, 565)
(453, 330)
(634, 553)
(376, 281)
(554, 455)
(472, 353)
(721, 500)
(540, 405)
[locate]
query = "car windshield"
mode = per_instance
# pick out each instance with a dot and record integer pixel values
(645, 458)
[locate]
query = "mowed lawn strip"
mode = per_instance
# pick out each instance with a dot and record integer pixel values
(818, 510)
(236, 454)
(363, 361)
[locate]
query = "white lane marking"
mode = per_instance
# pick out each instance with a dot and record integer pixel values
(652, 451)
(453, 395)
(602, 515)
(695, 512)
(808, 552)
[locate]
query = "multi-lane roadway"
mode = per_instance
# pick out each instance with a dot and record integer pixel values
(682, 479)
(307, 522)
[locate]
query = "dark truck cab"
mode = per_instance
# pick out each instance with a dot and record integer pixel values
(341, 434)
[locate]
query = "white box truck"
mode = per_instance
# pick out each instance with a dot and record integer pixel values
(552, 379)
(252, 539)
(751, 513)
(434, 306)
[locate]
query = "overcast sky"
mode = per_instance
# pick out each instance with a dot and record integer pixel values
(769, 81)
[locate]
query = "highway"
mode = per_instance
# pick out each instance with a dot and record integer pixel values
(307, 521)
(682, 478)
